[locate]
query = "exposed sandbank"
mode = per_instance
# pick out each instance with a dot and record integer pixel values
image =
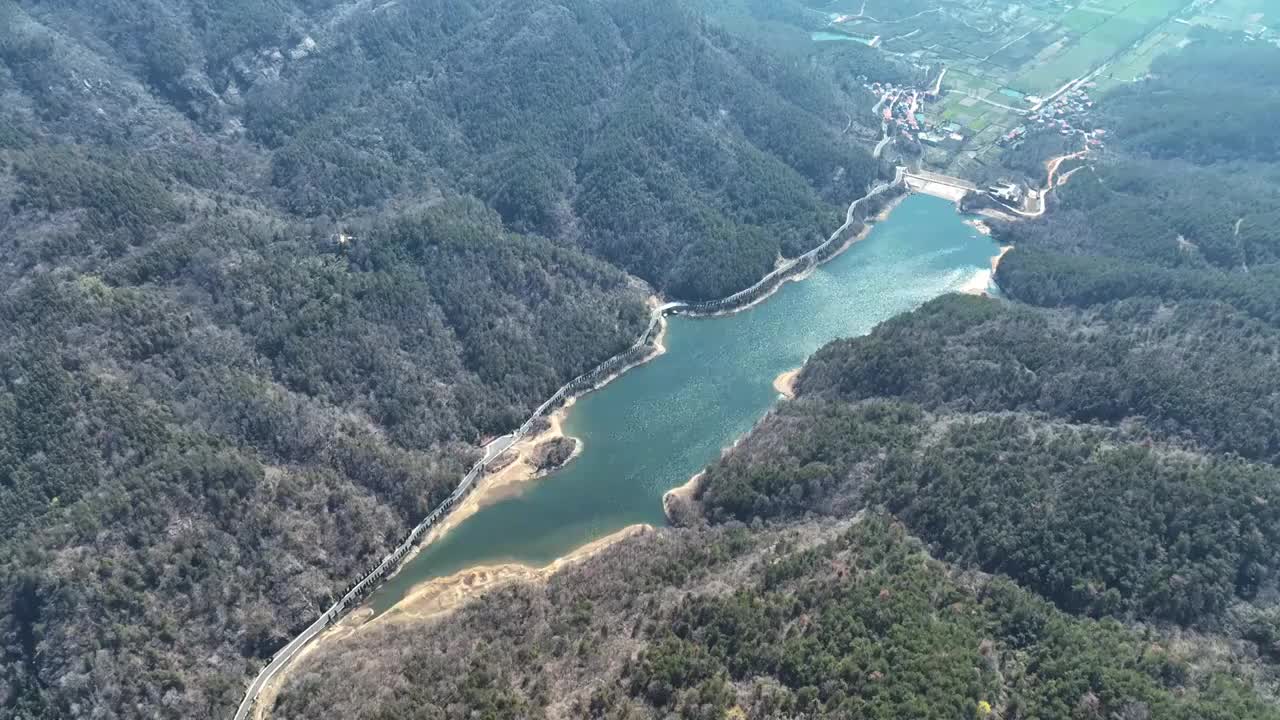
(785, 383)
(981, 281)
(502, 484)
(435, 598)
(977, 283)
(441, 595)
(681, 496)
(995, 261)
(980, 225)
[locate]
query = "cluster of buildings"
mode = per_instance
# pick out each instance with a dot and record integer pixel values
(896, 102)
(1013, 137)
(1068, 113)
(947, 136)
(902, 105)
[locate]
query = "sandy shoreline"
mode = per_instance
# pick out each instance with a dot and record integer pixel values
(511, 479)
(681, 495)
(995, 214)
(980, 283)
(438, 597)
(785, 383)
(980, 225)
(504, 483)
(442, 595)
(995, 261)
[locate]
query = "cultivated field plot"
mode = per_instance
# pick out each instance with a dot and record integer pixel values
(1251, 16)
(1090, 36)
(1248, 16)
(1003, 58)
(1032, 47)
(1006, 60)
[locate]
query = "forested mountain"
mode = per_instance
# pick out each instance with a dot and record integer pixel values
(1089, 467)
(667, 148)
(1184, 208)
(1030, 450)
(272, 270)
(630, 129)
(1114, 447)
(830, 620)
(254, 431)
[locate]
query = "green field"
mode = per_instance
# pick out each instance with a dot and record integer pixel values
(1227, 15)
(1082, 21)
(1237, 15)
(1036, 48)
(1098, 42)
(1112, 6)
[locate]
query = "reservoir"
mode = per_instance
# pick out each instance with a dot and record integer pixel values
(826, 36)
(658, 424)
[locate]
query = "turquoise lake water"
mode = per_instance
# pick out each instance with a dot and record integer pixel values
(658, 424)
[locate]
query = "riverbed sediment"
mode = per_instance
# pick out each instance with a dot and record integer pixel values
(785, 383)
(995, 261)
(437, 598)
(505, 482)
(440, 596)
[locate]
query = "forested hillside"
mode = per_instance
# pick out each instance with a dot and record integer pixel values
(632, 130)
(831, 620)
(1113, 448)
(1184, 208)
(252, 426)
(273, 270)
(1063, 503)
(1022, 449)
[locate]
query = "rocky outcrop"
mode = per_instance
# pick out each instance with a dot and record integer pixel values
(551, 454)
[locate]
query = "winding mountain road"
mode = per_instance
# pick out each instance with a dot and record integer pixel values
(1052, 181)
(286, 654)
